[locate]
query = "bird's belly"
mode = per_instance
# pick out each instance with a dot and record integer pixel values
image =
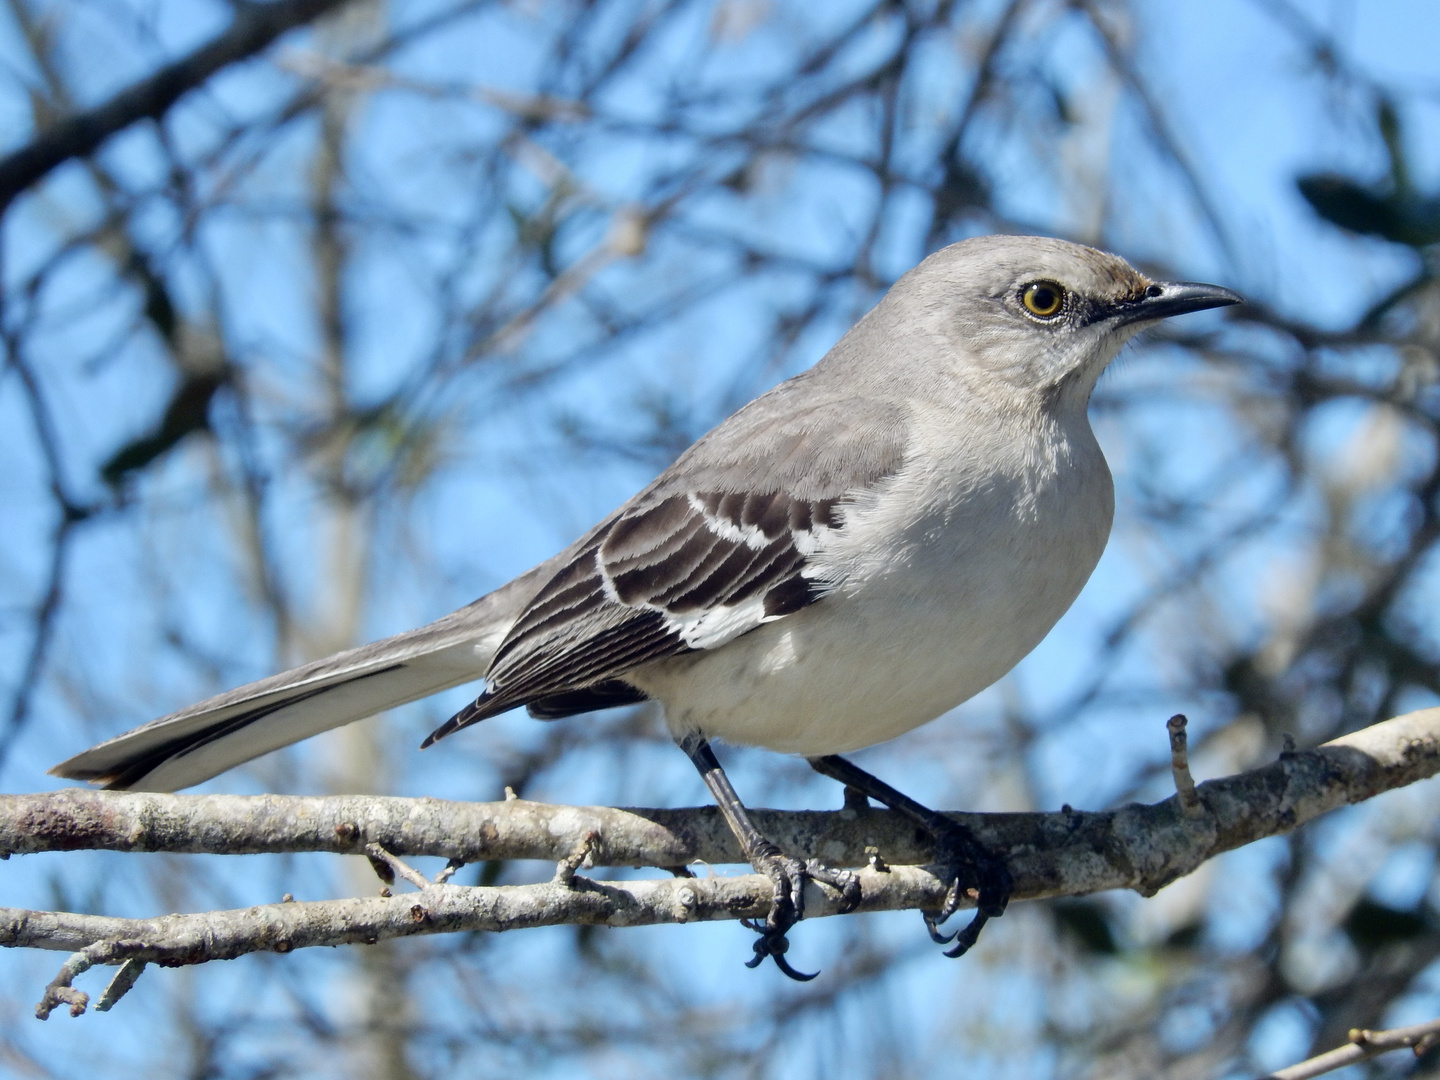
(867, 664)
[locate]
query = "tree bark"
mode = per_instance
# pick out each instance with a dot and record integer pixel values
(1049, 854)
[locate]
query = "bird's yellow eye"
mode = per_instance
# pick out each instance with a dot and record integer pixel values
(1043, 299)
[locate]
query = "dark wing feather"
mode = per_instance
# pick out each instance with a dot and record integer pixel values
(603, 695)
(691, 565)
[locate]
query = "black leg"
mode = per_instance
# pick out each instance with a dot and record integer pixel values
(956, 849)
(785, 873)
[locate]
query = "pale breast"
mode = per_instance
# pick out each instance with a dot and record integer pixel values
(943, 582)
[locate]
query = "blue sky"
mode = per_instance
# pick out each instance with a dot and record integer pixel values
(1238, 101)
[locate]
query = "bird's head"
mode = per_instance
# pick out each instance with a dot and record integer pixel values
(1040, 313)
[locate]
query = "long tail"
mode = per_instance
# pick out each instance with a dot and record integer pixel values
(205, 739)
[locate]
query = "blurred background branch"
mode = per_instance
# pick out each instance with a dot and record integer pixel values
(256, 25)
(364, 325)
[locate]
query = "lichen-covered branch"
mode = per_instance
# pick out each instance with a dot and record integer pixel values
(175, 940)
(1056, 854)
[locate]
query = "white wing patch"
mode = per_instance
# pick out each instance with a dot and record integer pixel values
(715, 627)
(683, 573)
(712, 627)
(701, 556)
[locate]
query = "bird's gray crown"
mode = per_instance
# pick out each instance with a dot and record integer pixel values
(1030, 311)
(995, 267)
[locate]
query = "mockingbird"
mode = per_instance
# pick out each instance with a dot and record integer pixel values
(847, 557)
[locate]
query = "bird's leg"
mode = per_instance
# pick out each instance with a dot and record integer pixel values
(787, 874)
(956, 849)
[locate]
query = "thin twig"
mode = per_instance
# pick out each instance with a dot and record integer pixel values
(120, 984)
(1180, 767)
(1363, 1046)
(582, 855)
(451, 868)
(61, 990)
(396, 866)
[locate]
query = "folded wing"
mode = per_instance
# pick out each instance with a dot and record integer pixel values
(721, 543)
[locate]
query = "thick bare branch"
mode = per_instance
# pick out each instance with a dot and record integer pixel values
(177, 940)
(255, 26)
(1063, 854)
(1136, 847)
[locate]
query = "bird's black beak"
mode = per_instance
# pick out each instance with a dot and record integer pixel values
(1167, 298)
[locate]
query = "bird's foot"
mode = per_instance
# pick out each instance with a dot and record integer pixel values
(788, 876)
(970, 868)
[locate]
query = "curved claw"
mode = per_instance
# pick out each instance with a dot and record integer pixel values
(967, 937)
(932, 924)
(784, 966)
(788, 907)
(968, 860)
(775, 946)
